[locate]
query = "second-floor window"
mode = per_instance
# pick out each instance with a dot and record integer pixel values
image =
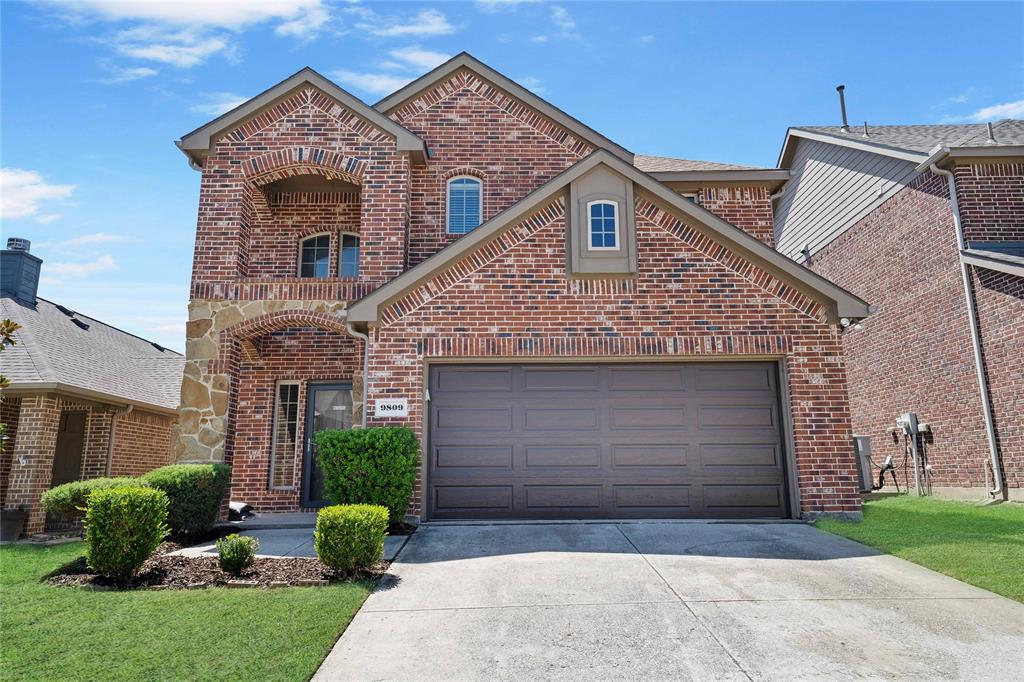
(604, 225)
(465, 204)
(348, 262)
(315, 256)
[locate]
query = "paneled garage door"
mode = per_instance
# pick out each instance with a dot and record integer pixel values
(574, 441)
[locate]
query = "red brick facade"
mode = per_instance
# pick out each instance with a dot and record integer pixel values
(691, 298)
(914, 354)
(141, 443)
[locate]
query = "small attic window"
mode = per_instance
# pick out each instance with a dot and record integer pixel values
(604, 225)
(465, 204)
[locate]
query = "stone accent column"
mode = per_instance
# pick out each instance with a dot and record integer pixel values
(32, 457)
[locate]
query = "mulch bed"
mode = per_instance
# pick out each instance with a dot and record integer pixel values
(161, 571)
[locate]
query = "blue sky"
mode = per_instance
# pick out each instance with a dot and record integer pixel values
(95, 92)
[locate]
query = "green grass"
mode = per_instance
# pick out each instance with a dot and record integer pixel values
(69, 633)
(983, 546)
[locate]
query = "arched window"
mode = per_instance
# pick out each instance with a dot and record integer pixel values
(348, 257)
(315, 256)
(604, 225)
(465, 204)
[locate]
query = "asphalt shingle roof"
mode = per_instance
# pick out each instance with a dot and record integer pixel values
(662, 164)
(923, 138)
(51, 348)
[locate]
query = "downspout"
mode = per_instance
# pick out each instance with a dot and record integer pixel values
(110, 436)
(366, 364)
(972, 312)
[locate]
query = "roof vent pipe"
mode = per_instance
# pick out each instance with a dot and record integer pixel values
(841, 89)
(991, 137)
(866, 129)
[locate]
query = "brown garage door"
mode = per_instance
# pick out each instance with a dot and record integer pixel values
(605, 441)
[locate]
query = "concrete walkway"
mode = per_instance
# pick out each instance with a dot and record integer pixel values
(669, 601)
(279, 542)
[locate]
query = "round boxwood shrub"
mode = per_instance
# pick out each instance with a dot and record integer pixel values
(349, 537)
(69, 500)
(194, 493)
(235, 553)
(376, 465)
(122, 528)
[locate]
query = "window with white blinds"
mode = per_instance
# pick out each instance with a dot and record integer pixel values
(465, 204)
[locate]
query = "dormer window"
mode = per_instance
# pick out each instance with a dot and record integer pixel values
(315, 256)
(465, 204)
(604, 225)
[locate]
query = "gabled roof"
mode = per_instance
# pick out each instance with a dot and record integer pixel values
(72, 353)
(464, 60)
(197, 143)
(667, 169)
(909, 142)
(661, 164)
(842, 302)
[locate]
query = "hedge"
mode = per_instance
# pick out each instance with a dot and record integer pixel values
(69, 499)
(194, 493)
(349, 537)
(375, 465)
(122, 528)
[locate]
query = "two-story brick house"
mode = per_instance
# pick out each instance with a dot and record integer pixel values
(571, 329)
(927, 222)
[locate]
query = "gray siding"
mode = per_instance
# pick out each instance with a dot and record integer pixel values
(832, 187)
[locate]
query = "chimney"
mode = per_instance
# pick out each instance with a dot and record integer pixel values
(841, 89)
(19, 271)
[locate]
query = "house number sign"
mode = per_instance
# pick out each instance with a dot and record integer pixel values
(392, 407)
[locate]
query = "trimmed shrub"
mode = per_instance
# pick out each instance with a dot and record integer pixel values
(69, 499)
(376, 465)
(194, 493)
(235, 553)
(349, 537)
(122, 528)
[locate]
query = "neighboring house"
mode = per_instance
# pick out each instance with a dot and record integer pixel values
(85, 399)
(872, 212)
(571, 330)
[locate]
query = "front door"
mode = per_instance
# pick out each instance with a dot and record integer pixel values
(67, 456)
(329, 406)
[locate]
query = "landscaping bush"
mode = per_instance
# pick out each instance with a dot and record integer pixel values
(235, 553)
(370, 466)
(122, 528)
(194, 493)
(69, 499)
(349, 537)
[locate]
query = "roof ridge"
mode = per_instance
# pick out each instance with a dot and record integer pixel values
(116, 329)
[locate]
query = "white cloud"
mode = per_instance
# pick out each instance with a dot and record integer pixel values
(89, 240)
(120, 75)
(376, 83)
(646, 39)
(185, 33)
(990, 113)
(47, 218)
(531, 83)
(415, 56)
(21, 192)
(492, 6)
(429, 22)
(104, 263)
(539, 39)
(175, 327)
(565, 23)
(217, 103)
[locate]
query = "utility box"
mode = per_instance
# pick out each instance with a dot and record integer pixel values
(862, 445)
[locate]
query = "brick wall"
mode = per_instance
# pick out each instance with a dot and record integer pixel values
(9, 411)
(914, 354)
(304, 355)
(748, 208)
(473, 128)
(991, 200)
(688, 301)
(1000, 304)
(142, 442)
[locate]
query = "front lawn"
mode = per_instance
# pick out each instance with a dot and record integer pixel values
(983, 546)
(70, 633)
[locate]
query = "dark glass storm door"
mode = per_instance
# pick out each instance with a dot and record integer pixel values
(329, 406)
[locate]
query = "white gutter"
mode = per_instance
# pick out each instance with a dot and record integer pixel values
(366, 364)
(979, 365)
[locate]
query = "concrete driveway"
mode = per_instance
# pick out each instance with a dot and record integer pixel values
(669, 601)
